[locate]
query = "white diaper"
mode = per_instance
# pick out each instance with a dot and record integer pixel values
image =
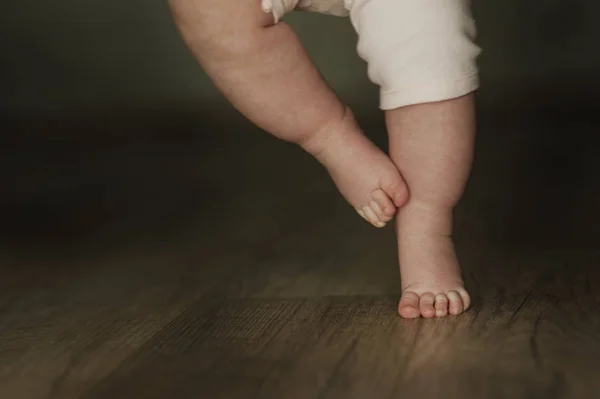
(417, 51)
(281, 7)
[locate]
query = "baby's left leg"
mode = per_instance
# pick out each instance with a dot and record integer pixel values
(422, 54)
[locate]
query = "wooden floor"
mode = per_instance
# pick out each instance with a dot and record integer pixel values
(161, 254)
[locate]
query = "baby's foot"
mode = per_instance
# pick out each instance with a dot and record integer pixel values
(432, 284)
(365, 175)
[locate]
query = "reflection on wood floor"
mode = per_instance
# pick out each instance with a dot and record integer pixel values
(158, 254)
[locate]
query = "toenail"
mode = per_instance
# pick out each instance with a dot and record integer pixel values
(466, 298)
(376, 208)
(371, 216)
(362, 213)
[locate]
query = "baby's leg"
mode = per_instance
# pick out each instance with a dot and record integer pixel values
(423, 56)
(432, 144)
(265, 72)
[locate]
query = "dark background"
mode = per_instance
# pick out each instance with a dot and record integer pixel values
(111, 131)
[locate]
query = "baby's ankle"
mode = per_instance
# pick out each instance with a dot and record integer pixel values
(328, 133)
(422, 218)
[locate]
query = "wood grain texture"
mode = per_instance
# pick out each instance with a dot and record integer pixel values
(165, 255)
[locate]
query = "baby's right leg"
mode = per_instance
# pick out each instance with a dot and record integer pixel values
(265, 72)
(423, 55)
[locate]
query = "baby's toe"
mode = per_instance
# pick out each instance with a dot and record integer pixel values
(362, 214)
(384, 204)
(426, 305)
(409, 306)
(395, 189)
(466, 298)
(372, 217)
(379, 213)
(441, 305)
(456, 305)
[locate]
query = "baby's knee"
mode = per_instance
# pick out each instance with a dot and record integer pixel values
(417, 51)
